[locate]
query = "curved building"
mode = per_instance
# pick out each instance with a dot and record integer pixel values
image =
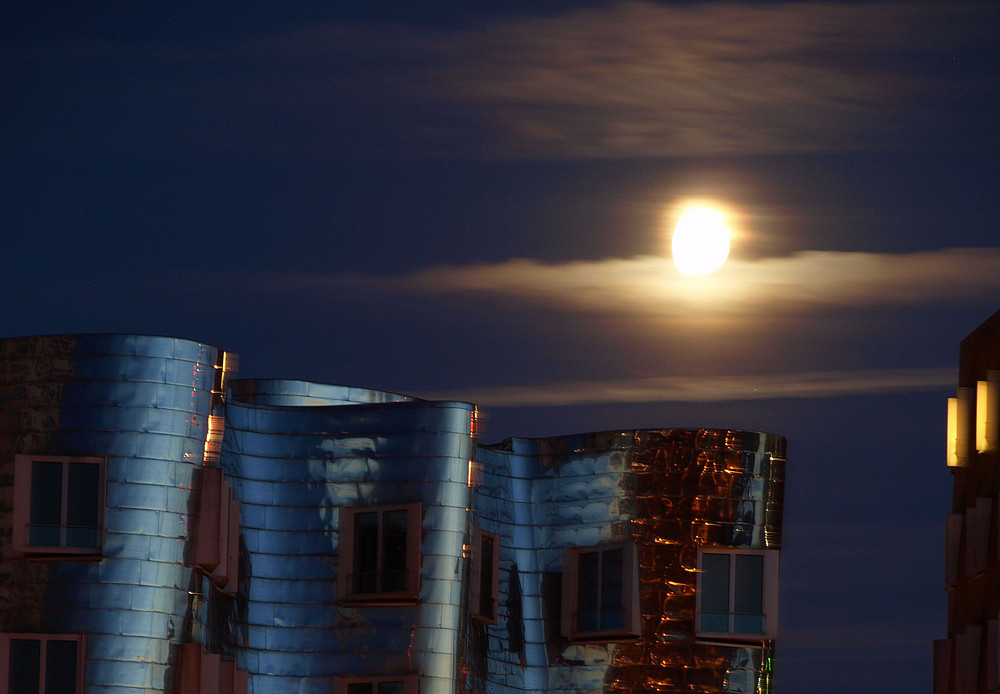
(638, 561)
(167, 528)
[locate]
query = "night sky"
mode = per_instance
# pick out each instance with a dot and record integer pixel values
(454, 200)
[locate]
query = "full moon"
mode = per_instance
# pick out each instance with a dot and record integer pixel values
(700, 243)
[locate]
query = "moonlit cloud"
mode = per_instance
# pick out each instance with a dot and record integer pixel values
(823, 384)
(650, 286)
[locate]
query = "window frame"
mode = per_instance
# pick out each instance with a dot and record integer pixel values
(476, 576)
(631, 619)
(346, 553)
(411, 683)
(217, 534)
(769, 594)
(23, 484)
(81, 656)
(201, 672)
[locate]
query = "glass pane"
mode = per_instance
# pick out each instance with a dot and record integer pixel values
(390, 688)
(714, 598)
(25, 662)
(588, 591)
(365, 552)
(360, 688)
(393, 551)
(486, 576)
(612, 614)
(82, 499)
(60, 667)
(748, 602)
(46, 504)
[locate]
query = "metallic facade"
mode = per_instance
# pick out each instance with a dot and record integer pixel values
(305, 461)
(144, 404)
(670, 492)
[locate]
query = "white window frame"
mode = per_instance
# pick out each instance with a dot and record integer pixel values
(21, 536)
(44, 639)
(769, 595)
(345, 568)
(631, 622)
(476, 576)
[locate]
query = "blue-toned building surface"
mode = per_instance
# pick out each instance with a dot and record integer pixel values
(166, 527)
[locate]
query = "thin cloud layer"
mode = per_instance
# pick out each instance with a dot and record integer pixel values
(650, 286)
(642, 78)
(823, 384)
(626, 79)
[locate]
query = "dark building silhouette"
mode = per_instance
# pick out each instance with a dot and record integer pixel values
(967, 661)
(165, 527)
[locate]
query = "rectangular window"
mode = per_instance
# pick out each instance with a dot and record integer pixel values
(484, 576)
(380, 553)
(737, 593)
(217, 534)
(41, 663)
(400, 684)
(208, 673)
(601, 592)
(59, 507)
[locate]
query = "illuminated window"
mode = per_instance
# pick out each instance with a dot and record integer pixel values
(380, 553)
(958, 428)
(390, 684)
(737, 593)
(41, 663)
(483, 577)
(987, 407)
(60, 504)
(600, 592)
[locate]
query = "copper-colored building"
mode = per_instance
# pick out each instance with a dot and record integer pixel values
(967, 661)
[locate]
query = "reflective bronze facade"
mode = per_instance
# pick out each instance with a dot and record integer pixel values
(670, 492)
(356, 548)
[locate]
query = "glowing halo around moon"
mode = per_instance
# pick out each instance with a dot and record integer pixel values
(700, 244)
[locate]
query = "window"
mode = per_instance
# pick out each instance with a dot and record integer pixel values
(380, 553)
(379, 685)
(41, 663)
(600, 592)
(483, 576)
(64, 509)
(737, 593)
(208, 673)
(217, 537)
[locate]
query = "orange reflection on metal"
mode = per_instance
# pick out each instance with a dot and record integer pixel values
(692, 488)
(213, 439)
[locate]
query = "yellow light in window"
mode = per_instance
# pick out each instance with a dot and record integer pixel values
(986, 413)
(958, 422)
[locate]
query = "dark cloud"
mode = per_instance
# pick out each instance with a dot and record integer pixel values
(629, 79)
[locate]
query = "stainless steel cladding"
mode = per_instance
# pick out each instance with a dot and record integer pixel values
(297, 471)
(139, 406)
(175, 530)
(681, 501)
